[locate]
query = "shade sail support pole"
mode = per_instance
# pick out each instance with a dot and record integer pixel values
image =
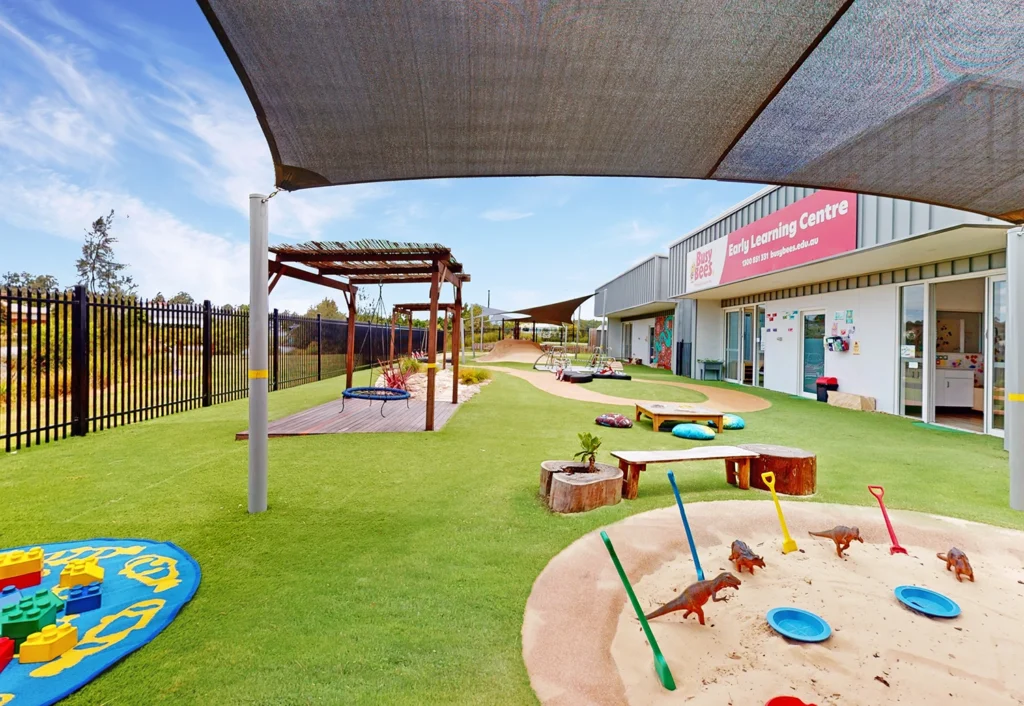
(258, 322)
(1014, 391)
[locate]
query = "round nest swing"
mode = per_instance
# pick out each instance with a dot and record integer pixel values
(373, 393)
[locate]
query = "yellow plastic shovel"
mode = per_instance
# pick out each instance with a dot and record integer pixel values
(788, 543)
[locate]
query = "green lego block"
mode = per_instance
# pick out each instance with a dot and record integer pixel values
(31, 614)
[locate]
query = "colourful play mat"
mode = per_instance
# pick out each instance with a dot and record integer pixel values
(145, 584)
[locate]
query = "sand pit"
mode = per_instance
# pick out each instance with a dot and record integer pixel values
(510, 350)
(592, 650)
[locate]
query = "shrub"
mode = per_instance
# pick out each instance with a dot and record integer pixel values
(473, 376)
(410, 366)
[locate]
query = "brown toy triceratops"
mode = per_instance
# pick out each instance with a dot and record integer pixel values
(957, 561)
(696, 595)
(841, 535)
(742, 557)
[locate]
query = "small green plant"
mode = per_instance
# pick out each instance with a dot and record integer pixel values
(473, 376)
(409, 365)
(589, 444)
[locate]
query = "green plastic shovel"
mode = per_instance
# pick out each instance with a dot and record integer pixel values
(660, 665)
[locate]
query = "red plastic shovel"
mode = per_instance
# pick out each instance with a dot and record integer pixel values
(879, 492)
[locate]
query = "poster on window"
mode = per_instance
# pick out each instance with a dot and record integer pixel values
(661, 345)
(816, 227)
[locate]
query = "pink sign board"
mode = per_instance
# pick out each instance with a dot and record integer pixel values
(814, 228)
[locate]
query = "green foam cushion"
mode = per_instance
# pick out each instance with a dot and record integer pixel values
(730, 421)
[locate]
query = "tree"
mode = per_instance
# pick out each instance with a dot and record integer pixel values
(97, 269)
(181, 298)
(328, 309)
(159, 298)
(29, 281)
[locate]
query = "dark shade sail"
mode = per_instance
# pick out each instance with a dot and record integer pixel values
(917, 100)
(558, 313)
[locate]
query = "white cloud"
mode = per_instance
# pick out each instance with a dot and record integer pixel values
(635, 232)
(505, 214)
(163, 253)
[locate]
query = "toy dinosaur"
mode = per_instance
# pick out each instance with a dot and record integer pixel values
(841, 535)
(696, 595)
(742, 556)
(957, 561)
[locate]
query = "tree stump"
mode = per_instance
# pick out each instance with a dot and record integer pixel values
(579, 491)
(796, 470)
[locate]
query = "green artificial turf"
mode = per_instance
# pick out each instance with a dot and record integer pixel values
(394, 569)
(633, 390)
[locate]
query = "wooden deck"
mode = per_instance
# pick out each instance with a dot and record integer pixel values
(359, 417)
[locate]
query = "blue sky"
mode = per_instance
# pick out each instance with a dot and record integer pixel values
(134, 107)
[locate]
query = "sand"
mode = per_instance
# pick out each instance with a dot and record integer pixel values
(510, 350)
(736, 658)
(443, 379)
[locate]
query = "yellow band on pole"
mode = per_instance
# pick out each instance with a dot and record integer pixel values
(257, 374)
(431, 365)
(1016, 397)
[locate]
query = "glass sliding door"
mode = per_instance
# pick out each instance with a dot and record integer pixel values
(732, 346)
(758, 348)
(813, 349)
(911, 342)
(749, 350)
(627, 342)
(996, 362)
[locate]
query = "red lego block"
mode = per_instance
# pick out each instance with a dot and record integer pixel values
(23, 580)
(6, 651)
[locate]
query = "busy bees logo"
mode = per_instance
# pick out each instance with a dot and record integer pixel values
(702, 267)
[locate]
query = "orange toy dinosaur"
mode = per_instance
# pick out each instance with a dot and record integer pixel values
(841, 535)
(956, 561)
(696, 595)
(742, 556)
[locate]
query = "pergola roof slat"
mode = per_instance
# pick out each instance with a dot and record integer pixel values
(371, 261)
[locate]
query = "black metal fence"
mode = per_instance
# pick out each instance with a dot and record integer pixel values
(71, 363)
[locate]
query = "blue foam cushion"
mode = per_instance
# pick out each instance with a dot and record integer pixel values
(730, 421)
(696, 432)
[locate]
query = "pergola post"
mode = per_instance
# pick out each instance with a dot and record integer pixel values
(258, 322)
(1014, 391)
(432, 346)
(350, 344)
(409, 341)
(391, 353)
(456, 335)
(444, 341)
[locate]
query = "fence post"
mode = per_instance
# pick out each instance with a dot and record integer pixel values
(79, 362)
(276, 328)
(207, 353)
(319, 348)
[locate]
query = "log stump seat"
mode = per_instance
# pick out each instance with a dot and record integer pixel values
(796, 470)
(579, 491)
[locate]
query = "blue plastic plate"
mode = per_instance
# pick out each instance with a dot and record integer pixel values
(797, 624)
(926, 601)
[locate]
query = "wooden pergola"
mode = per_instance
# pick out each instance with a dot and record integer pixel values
(379, 262)
(450, 309)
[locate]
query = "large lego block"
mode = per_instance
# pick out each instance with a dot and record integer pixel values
(8, 595)
(49, 643)
(31, 614)
(82, 599)
(81, 573)
(21, 561)
(22, 580)
(6, 651)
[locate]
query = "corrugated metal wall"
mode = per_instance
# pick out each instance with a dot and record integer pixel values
(879, 220)
(643, 284)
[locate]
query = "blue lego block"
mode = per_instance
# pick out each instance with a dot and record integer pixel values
(9, 595)
(82, 599)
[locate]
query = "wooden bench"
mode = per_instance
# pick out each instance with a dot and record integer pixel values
(660, 412)
(632, 463)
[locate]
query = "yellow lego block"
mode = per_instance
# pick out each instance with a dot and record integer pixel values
(50, 643)
(21, 562)
(81, 572)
